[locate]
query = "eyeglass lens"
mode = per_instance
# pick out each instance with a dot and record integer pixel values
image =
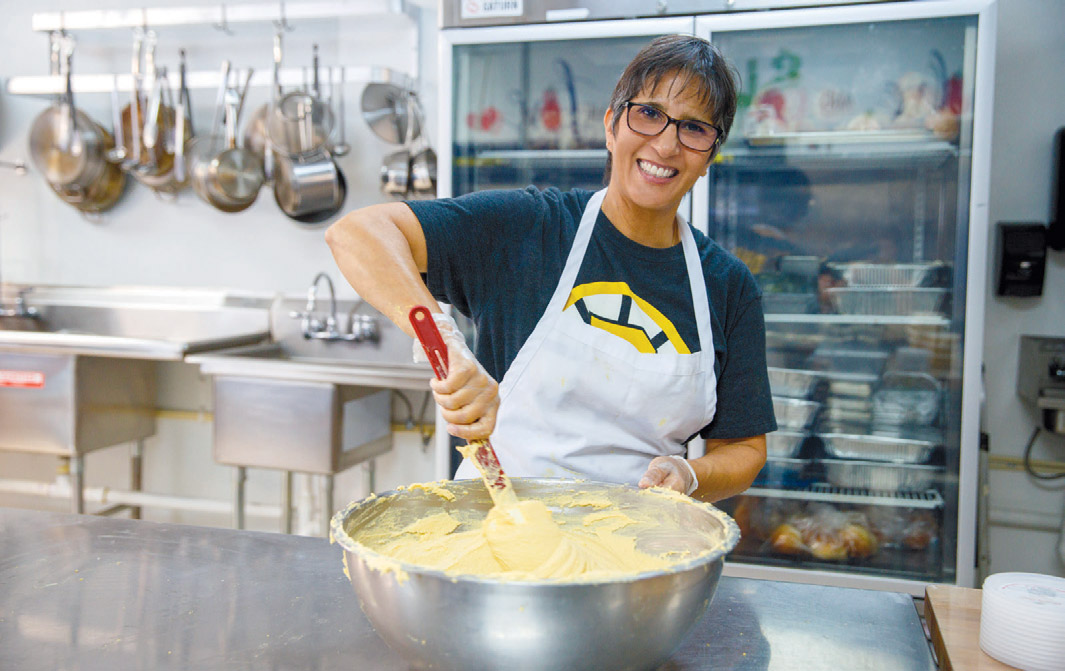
(647, 120)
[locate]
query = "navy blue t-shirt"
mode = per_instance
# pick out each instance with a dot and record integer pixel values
(497, 256)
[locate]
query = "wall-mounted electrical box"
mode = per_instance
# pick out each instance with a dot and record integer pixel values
(1021, 250)
(1041, 378)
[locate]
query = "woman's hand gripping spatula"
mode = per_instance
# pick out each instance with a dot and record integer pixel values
(480, 452)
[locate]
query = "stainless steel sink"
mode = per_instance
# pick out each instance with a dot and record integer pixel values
(77, 364)
(317, 399)
(384, 362)
(132, 322)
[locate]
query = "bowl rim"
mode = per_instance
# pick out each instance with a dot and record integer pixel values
(731, 539)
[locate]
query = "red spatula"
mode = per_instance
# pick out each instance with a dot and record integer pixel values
(479, 451)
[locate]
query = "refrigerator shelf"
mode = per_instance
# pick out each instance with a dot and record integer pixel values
(870, 156)
(501, 156)
(929, 499)
(880, 320)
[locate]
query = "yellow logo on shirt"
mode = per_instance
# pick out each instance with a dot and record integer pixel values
(613, 307)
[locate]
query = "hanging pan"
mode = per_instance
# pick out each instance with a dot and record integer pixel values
(385, 110)
(70, 150)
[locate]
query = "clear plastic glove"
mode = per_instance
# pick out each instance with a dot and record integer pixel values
(672, 472)
(468, 397)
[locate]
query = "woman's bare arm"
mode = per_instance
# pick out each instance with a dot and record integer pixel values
(728, 467)
(381, 252)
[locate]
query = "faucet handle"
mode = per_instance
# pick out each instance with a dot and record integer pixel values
(20, 304)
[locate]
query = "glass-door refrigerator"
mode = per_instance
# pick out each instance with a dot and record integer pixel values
(524, 104)
(854, 186)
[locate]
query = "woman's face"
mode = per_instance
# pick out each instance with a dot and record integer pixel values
(654, 173)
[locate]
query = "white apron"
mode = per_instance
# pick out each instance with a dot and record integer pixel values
(579, 401)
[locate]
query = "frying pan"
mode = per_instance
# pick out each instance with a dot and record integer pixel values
(145, 120)
(236, 172)
(255, 135)
(385, 110)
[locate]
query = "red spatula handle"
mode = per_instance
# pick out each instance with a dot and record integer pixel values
(484, 457)
(429, 336)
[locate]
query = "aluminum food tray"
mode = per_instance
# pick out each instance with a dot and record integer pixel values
(907, 398)
(884, 274)
(880, 476)
(841, 359)
(877, 448)
(795, 414)
(791, 382)
(852, 385)
(884, 301)
(783, 444)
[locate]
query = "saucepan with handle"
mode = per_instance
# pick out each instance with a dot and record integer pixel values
(70, 150)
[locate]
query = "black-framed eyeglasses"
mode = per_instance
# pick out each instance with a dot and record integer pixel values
(651, 121)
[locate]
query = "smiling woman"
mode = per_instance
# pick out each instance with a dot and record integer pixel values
(617, 331)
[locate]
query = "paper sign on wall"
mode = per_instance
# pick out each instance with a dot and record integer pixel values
(23, 379)
(483, 9)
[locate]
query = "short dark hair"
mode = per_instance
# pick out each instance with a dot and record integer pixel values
(697, 62)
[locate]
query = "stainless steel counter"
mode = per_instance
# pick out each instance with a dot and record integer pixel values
(82, 592)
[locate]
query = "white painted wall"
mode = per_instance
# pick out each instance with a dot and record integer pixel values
(1029, 108)
(144, 241)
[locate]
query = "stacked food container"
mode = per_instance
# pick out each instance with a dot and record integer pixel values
(854, 475)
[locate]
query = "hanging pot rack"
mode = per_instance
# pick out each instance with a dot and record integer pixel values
(220, 16)
(49, 85)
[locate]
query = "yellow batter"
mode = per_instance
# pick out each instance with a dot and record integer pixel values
(521, 542)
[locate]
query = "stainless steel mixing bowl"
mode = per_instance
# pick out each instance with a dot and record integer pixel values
(440, 621)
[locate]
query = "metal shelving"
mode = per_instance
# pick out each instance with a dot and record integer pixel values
(929, 499)
(220, 16)
(50, 85)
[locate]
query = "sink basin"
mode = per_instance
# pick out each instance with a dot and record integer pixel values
(384, 362)
(133, 322)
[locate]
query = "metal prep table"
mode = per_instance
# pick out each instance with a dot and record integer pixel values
(83, 592)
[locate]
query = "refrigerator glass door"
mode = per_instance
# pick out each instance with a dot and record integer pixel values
(532, 112)
(844, 186)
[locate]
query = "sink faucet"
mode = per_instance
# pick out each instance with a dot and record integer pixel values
(20, 309)
(363, 327)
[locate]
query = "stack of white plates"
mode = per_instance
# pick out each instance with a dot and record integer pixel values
(1022, 620)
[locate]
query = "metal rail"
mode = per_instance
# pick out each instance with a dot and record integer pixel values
(49, 85)
(220, 15)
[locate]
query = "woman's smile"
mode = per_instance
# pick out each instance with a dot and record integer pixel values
(656, 171)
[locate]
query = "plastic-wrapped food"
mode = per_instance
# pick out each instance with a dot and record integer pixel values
(921, 529)
(902, 527)
(859, 540)
(758, 518)
(825, 532)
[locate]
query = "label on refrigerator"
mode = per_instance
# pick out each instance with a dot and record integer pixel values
(22, 379)
(483, 9)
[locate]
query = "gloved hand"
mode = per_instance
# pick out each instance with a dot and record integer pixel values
(468, 397)
(672, 472)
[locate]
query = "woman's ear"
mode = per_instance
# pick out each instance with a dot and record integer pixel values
(608, 119)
